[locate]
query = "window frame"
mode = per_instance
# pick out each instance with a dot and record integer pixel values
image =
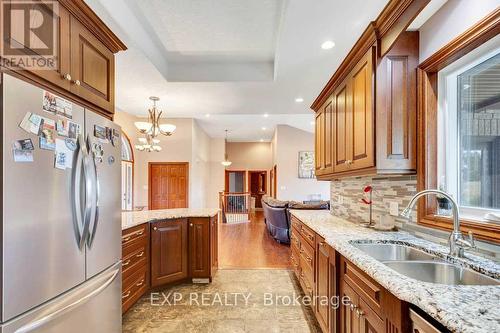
(448, 125)
(427, 141)
(132, 163)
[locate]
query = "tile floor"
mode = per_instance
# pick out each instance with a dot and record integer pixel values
(221, 306)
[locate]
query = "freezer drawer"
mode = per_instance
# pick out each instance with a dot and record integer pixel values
(94, 306)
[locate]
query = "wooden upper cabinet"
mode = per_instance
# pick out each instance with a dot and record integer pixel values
(377, 96)
(82, 45)
(341, 127)
(92, 67)
(397, 105)
(169, 251)
(324, 141)
(361, 140)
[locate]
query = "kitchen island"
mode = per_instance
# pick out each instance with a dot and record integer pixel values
(162, 247)
(459, 308)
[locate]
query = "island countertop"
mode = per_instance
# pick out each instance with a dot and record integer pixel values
(460, 308)
(133, 218)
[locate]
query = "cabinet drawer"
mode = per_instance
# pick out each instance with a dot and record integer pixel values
(295, 239)
(133, 288)
(308, 235)
(307, 255)
(365, 286)
(135, 257)
(134, 234)
(294, 260)
(296, 225)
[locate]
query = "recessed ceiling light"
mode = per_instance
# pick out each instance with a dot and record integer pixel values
(207, 115)
(299, 100)
(263, 128)
(327, 45)
(265, 115)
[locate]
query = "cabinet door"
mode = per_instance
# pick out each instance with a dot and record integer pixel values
(349, 321)
(361, 116)
(54, 42)
(214, 244)
(169, 251)
(92, 68)
(328, 142)
(341, 127)
(322, 283)
(334, 291)
(199, 252)
(319, 136)
(369, 321)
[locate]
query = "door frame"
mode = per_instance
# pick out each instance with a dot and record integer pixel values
(226, 179)
(275, 181)
(150, 164)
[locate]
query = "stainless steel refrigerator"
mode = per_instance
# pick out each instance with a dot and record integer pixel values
(61, 229)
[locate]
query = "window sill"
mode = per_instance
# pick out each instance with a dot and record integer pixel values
(486, 231)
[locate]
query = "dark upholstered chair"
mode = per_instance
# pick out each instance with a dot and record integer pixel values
(277, 216)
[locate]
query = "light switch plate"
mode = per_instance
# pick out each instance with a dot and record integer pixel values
(394, 208)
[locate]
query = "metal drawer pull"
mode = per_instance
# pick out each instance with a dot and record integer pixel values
(126, 263)
(140, 283)
(126, 239)
(140, 254)
(126, 295)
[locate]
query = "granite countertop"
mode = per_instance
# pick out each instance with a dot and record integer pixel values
(133, 218)
(459, 308)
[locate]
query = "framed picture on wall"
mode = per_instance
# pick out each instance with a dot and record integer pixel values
(306, 164)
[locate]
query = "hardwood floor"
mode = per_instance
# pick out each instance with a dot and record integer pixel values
(249, 245)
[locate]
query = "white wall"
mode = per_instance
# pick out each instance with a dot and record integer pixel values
(452, 19)
(288, 142)
(189, 144)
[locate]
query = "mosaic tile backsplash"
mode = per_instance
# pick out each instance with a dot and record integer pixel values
(345, 202)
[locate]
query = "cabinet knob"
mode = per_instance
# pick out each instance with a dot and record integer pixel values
(190, 224)
(77, 82)
(67, 77)
(359, 313)
(155, 228)
(348, 162)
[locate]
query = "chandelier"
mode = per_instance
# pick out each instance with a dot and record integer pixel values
(226, 162)
(152, 128)
(148, 144)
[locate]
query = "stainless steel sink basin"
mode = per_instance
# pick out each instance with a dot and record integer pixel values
(390, 252)
(440, 272)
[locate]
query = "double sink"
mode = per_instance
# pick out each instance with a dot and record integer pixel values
(423, 266)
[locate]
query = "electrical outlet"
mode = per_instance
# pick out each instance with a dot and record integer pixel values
(394, 208)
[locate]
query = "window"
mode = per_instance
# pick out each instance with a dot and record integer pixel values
(127, 173)
(468, 149)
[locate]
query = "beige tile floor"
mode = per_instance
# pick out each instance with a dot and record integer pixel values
(230, 312)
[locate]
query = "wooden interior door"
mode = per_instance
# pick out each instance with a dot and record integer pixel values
(362, 114)
(257, 186)
(92, 67)
(169, 251)
(168, 185)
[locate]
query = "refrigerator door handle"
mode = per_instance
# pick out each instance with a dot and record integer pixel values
(79, 217)
(89, 189)
(67, 308)
(95, 195)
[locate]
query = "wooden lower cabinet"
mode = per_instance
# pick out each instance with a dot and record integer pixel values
(135, 264)
(322, 273)
(363, 305)
(168, 251)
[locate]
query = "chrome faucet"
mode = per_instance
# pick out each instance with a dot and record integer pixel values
(458, 244)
